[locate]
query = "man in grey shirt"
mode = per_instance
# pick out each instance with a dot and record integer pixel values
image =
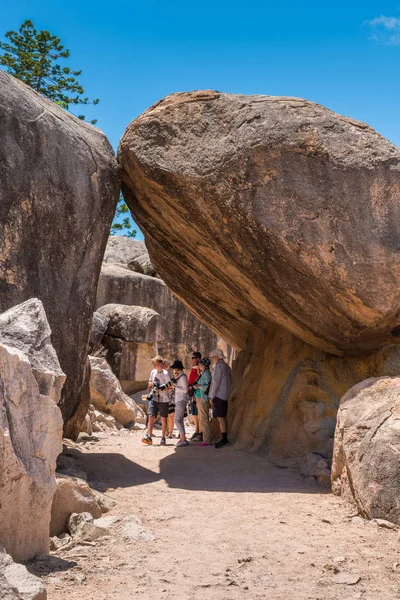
(219, 393)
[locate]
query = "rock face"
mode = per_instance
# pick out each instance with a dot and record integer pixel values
(99, 327)
(181, 332)
(366, 467)
(293, 254)
(59, 185)
(30, 439)
(107, 396)
(16, 583)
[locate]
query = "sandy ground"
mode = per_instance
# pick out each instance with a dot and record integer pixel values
(227, 526)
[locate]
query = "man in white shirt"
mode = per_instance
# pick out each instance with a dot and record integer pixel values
(160, 402)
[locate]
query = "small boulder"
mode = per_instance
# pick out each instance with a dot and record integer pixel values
(73, 495)
(107, 396)
(82, 527)
(16, 583)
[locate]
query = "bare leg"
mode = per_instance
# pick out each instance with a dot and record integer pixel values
(150, 426)
(222, 424)
(171, 417)
(164, 426)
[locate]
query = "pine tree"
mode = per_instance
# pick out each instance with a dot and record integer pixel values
(124, 226)
(31, 56)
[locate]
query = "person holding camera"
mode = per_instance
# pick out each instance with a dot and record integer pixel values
(202, 387)
(159, 402)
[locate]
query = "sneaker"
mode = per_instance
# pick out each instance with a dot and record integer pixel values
(204, 445)
(147, 440)
(163, 442)
(182, 443)
(198, 438)
(195, 435)
(222, 443)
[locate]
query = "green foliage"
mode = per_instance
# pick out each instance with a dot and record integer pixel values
(31, 56)
(125, 225)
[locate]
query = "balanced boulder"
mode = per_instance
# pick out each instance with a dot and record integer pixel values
(283, 235)
(59, 185)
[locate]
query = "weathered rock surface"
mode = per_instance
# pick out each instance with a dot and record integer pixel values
(132, 323)
(59, 185)
(99, 328)
(130, 342)
(30, 441)
(107, 396)
(72, 495)
(366, 466)
(16, 583)
(181, 333)
(270, 180)
(293, 254)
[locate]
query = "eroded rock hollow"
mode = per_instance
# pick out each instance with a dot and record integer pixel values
(277, 222)
(59, 183)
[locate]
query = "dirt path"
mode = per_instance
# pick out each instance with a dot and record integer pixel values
(227, 526)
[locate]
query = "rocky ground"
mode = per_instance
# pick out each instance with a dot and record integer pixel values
(198, 524)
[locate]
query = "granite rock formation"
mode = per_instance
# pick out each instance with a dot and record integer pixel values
(30, 435)
(293, 254)
(181, 332)
(59, 185)
(366, 467)
(130, 342)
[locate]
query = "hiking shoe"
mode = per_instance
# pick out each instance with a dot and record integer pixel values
(163, 442)
(182, 443)
(147, 440)
(222, 443)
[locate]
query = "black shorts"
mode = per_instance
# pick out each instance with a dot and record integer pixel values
(219, 408)
(171, 408)
(156, 408)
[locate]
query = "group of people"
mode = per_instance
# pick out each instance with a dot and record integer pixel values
(170, 392)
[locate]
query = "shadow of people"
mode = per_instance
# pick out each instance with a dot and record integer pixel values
(227, 470)
(110, 470)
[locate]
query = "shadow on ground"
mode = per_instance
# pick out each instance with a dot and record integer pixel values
(229, 470)
(110, 470)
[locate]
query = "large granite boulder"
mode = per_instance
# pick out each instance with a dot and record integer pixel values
(181, 332)
(366, 466)
(292, 255)
(30, 439)
(59, 185)
(130, 342)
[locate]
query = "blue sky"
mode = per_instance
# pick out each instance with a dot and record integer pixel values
(344, 55)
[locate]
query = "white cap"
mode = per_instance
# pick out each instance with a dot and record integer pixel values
(217, 352)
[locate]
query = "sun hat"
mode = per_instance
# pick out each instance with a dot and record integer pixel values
(217, 352)
(177, 365)
(206, 362)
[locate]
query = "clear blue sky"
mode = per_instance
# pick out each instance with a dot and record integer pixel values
(344, 55)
